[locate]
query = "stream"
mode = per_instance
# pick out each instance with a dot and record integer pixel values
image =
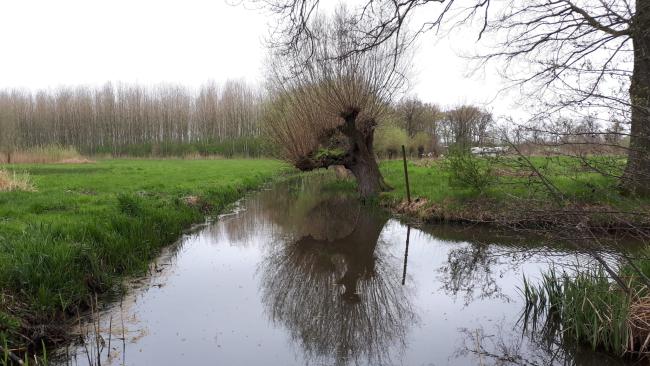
(303, 274)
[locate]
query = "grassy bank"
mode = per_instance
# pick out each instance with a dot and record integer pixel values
(508, 191)
(87, 225)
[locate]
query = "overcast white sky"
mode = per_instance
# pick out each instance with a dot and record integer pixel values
(48, 43)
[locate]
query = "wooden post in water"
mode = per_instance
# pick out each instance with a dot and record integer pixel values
(406, 175)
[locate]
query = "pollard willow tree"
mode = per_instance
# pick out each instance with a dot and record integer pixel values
(575, 55)
(325, 98)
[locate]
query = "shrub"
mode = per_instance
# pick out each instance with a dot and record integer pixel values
(389, 141)
(421, 144)
(329, 154)
(466, 170)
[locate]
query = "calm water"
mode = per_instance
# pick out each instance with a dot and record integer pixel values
(302, 275)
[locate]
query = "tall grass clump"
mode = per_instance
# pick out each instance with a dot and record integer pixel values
(12, 181)
(589, 308)
(44, 154)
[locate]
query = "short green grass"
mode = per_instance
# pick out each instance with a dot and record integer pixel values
(431, 182)
(87, 225)
(576, 182)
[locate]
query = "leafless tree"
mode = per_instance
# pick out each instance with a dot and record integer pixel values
(465, 126)
(321, 94)
(8, 127)
(417, 116)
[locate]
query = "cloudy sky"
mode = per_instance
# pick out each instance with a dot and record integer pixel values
(47, 43)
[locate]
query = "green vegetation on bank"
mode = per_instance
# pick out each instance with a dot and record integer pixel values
(454, 188)
(86, 225)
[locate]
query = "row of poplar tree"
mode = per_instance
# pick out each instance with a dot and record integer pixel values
(110, 118)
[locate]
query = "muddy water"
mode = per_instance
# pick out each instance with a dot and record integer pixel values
(302, 274)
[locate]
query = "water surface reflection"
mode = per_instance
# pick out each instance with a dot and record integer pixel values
(336, 290)
(304, 274)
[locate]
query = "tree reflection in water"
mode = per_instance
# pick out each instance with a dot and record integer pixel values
(505, 345)
(470, 271)
(473, 269)
(333, 286)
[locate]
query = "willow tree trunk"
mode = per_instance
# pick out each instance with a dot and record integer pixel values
(361, 158)
(636, 178)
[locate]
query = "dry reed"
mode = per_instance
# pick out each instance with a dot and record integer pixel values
(44, 155)
(11, 181)
(639, 325)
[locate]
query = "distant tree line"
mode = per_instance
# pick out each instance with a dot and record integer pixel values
(171, 120)
(133, 119)
(425, 128)
(569, 136)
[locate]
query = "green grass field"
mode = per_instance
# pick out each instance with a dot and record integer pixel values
(87, 225)
(575, 182)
